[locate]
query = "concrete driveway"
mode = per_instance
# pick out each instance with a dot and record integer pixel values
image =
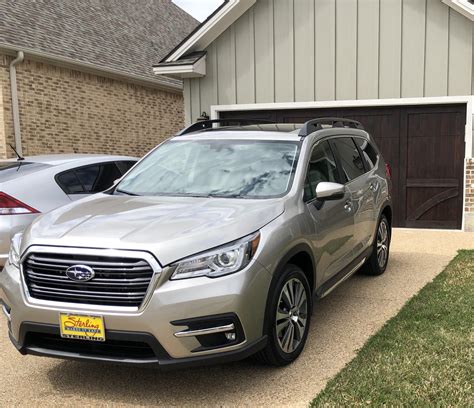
(342, 323)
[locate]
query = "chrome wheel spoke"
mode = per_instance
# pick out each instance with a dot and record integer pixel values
(285, 296)
(287, 341)
(282, 315)
(300, 326)
(282, 326)
(300, 296)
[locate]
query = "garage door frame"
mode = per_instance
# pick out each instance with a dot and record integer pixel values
(468, 100)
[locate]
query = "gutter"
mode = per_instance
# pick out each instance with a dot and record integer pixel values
(15, 110)
(66, 62)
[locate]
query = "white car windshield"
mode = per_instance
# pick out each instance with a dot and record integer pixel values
(220, 168)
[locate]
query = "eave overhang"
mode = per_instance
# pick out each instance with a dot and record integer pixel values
(173, 64)
(464, 7)
(190, 66)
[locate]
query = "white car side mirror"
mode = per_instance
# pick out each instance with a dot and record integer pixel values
(329, 191)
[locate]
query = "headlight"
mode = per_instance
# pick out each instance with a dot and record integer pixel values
(221, 261)
(14, 254)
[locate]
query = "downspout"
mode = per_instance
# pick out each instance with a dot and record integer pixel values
(14, 90)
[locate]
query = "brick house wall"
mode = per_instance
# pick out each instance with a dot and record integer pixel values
(67, 111)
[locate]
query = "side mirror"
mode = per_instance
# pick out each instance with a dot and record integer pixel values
(329, 191)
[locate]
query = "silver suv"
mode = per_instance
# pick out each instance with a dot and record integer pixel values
(212, 248)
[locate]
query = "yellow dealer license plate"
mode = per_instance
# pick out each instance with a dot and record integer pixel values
(82, 327)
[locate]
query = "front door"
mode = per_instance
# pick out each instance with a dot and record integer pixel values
(333, 221)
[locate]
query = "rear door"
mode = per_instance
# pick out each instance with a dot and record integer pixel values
(333, 238)
(356, 180)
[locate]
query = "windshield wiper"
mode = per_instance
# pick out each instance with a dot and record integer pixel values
(126, 192)
(226, 196)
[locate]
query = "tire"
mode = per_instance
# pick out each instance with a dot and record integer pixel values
(286, 339)
(378, 261)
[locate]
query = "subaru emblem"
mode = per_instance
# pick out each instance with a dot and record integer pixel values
(80, 273)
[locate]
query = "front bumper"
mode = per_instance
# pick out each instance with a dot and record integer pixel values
(46, 342)
(172, 306)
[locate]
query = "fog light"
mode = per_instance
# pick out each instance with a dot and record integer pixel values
(230, 336)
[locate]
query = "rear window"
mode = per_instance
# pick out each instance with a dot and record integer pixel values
(10, 170)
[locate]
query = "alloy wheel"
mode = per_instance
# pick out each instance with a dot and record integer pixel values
(291, 316)
(382, 244)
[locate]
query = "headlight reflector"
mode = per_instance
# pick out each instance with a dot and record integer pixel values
(14, 254)
(221, 261)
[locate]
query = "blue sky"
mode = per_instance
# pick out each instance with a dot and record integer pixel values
(199, 9)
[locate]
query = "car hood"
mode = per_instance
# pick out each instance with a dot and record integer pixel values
(169, 227)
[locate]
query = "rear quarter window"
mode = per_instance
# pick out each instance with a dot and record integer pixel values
(368, 152)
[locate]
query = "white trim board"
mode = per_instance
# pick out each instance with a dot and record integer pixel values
(442, 100)
(196, 70)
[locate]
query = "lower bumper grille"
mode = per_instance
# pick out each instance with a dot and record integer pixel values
(117, 281)
(116, 349)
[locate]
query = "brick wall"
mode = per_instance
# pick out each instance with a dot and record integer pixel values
(67, 111)
(469, 205)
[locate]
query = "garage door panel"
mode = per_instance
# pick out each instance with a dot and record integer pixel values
(435, 205)
(434, 144)
(430, 158)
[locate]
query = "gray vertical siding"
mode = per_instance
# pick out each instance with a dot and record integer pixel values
(324, 50)
(325, 45)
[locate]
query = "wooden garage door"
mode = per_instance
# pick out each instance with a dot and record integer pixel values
(425, 148)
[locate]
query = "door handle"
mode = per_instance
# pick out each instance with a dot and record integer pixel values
(348, 207)
(373, 186)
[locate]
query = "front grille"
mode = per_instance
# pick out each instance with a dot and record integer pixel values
(118, 281)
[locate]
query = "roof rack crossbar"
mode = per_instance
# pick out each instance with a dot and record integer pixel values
(314, 125)
(208, 124)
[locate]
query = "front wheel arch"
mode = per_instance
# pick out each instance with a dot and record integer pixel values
(299, 252)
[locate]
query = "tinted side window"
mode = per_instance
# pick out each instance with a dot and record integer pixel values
(368, 151)
(352, 164)
(69, 182)
(322, 167)
(125, 166)
(98, 177)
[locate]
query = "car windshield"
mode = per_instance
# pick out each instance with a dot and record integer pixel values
(220, 168)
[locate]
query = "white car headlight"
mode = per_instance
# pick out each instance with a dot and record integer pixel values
(221, 261)
(14, 254)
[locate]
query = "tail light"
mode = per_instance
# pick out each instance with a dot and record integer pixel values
(388, 171)
(11, 206)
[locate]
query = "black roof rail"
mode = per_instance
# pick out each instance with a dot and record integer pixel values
(207, 124)
(314, 125)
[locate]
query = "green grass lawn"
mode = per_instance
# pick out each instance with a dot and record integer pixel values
(421, 357)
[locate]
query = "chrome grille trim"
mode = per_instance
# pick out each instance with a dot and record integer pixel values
(123, 284)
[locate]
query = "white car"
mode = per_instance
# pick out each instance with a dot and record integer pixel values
(39, 184)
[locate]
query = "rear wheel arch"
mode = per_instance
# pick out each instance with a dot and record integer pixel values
(388, 212)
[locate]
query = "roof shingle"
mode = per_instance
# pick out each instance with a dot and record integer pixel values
(123, 35)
